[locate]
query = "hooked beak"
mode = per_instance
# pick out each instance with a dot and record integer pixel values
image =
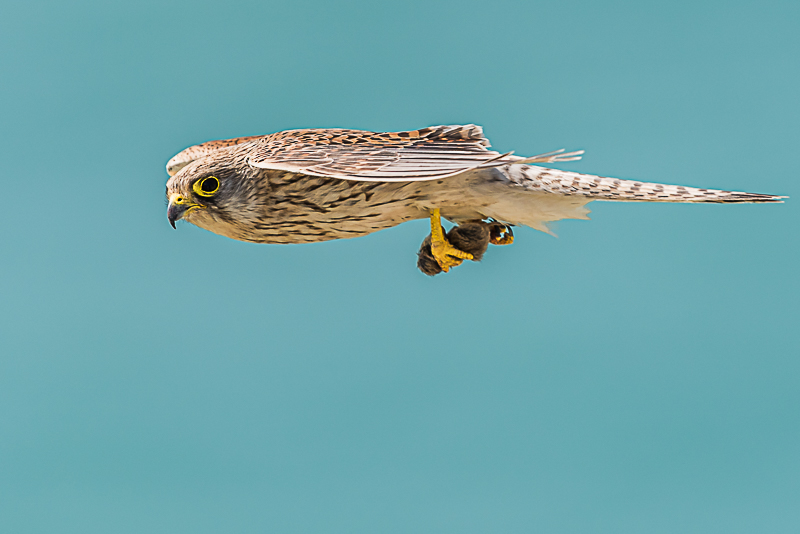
(179, 206)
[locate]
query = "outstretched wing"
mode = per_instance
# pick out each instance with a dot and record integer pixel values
(427, 154)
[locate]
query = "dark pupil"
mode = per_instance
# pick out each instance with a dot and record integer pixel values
(209, 184)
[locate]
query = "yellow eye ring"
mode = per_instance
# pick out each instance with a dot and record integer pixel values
(206, 187)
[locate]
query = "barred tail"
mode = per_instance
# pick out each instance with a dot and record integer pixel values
(592, 187)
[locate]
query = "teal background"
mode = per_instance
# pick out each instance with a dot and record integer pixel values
(637, 374)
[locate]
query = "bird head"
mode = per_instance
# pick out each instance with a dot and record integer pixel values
(214, 194)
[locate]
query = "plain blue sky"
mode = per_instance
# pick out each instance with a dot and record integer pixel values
(637, 374)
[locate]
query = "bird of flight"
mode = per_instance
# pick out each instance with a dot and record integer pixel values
(302, 186)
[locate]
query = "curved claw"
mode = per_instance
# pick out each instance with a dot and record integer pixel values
(446, 255)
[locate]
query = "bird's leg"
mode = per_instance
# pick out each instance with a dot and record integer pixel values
(446, 255)
(502, 235)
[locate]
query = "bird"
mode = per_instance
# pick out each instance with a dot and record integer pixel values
(310, 185)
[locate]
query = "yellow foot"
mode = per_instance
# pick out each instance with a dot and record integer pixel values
(446, 255)
(503, 236)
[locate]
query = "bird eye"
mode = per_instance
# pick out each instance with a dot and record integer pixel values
(207, 186)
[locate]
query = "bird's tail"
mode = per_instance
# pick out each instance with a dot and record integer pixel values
(535, 178)
(546, 195)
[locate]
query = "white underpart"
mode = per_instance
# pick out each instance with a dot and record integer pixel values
(525, 207)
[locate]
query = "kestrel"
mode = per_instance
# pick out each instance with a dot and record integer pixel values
(302, 186)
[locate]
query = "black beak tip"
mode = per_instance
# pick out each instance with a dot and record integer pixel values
(172, 222)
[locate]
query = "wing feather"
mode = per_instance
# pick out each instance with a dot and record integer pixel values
(427, 154)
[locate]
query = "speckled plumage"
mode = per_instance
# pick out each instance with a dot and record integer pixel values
(303, 186)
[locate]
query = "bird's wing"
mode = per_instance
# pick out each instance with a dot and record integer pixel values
(188, 155)
(427, 154)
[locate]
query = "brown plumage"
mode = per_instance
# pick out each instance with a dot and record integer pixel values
(303, 186)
